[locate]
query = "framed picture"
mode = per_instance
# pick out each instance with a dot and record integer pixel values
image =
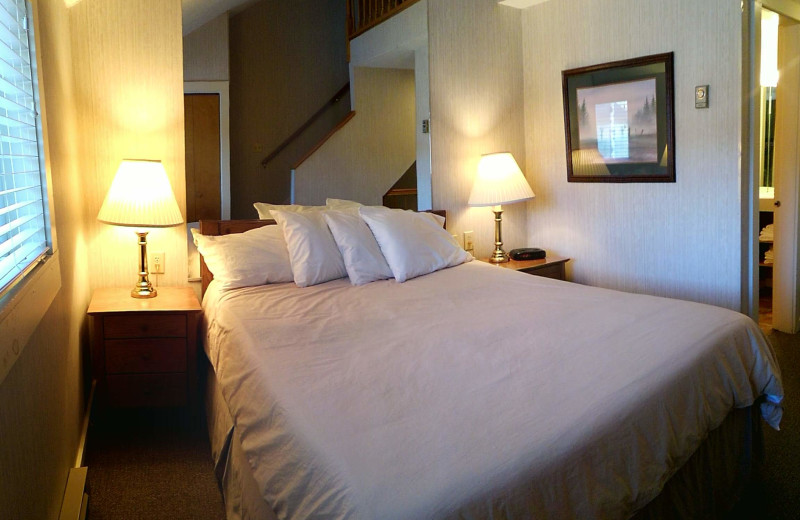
(619, 121)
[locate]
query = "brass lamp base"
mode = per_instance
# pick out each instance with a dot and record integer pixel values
(498, 256)
(144, 292)
(143, 287)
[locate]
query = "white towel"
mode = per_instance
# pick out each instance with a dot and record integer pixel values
(767, 233)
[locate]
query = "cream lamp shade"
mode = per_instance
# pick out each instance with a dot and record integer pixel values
(141, 196)
(499, 181)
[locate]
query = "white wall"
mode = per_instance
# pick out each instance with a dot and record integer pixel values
(476, 108)
(41, 399)
(681, 240)
(205, 52)
(402, 42)
(101, 60)
(128, 56)
(287, 59)
(363, 159)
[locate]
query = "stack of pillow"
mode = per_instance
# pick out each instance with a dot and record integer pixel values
(315, 244)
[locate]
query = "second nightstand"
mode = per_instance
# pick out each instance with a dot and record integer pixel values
(144, 351)
(550, 267)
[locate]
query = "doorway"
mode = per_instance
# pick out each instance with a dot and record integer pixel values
(778, 167)
(201, 125)
(207, 147)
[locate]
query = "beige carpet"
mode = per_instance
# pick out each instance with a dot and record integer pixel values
(776, 494)
(151, 465)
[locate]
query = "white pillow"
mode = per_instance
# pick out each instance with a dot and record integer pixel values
(436, 218)
(360, 251)
(312, 251)
(255, 257)
(264, 208)
(413, 243)
(341, 204)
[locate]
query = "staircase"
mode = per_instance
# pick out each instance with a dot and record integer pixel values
(363, 15)
(403, 194)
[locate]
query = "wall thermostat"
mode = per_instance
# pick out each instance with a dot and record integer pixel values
(701, 96)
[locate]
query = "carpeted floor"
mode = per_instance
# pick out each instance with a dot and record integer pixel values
(157, 464)
(151, 464)
(776, 494)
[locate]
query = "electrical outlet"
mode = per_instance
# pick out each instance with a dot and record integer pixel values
(469, 245)
(455, 237)
(156, 262)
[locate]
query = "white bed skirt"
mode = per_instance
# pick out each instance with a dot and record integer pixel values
(240, 491)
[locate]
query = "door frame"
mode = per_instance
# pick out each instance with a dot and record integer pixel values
(751, 109)
(220, 88)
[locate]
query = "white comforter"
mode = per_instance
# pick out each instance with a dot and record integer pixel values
(476, 392)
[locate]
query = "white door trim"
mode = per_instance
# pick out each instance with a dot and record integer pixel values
(751, 57)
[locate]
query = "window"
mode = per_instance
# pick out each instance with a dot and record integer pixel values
(24, 221)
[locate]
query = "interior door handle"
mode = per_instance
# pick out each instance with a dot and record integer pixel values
(777, 204)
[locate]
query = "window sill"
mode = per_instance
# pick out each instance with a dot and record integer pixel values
(23, 309)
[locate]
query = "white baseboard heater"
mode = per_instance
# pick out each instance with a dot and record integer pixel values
(75, 498)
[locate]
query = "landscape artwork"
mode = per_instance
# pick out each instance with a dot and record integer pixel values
(619, 122)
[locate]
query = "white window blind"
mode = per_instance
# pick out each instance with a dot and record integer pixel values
(24, 223)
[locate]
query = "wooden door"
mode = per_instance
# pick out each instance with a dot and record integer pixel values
(201, 118)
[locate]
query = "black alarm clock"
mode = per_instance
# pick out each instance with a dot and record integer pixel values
(527, 253)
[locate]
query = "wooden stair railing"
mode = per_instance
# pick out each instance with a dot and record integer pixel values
(363, 15)
(286, 142)
(322, 141)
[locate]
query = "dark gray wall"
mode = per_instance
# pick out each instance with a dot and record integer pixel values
(287, 59)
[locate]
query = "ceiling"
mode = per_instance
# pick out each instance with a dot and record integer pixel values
(197, 13)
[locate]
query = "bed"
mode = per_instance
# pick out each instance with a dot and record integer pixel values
(482, 393)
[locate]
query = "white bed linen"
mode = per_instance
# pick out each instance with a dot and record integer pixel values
(476, 392)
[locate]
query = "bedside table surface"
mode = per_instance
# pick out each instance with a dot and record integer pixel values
(527, 264)
(168, 299)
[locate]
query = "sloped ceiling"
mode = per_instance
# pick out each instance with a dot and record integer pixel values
(197, 13)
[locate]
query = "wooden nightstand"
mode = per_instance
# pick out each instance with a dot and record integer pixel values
(144, 351)
(550, 267)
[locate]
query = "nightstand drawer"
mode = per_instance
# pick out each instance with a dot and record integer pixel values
(145, 326)
(549, 271)
(147, 390)
(124, 356)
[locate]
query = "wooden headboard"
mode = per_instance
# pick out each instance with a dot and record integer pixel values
(227, 227)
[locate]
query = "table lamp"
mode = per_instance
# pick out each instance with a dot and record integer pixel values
(140, 196)
(499, 181)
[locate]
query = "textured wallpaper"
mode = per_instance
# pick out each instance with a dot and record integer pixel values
(681, 240)
(476, 108)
